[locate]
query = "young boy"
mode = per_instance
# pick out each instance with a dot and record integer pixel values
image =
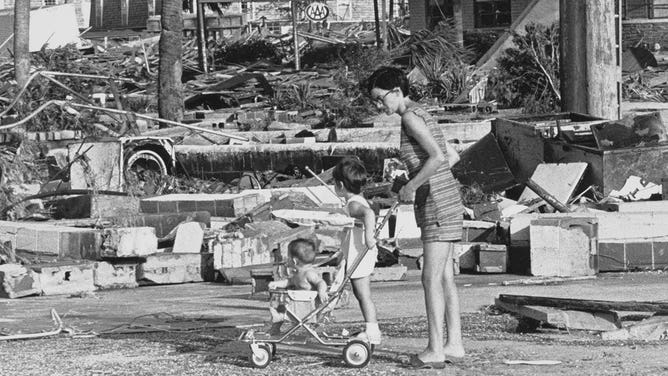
(349, 178)
(301, 258)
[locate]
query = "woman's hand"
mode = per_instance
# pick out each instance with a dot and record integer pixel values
(407, 193)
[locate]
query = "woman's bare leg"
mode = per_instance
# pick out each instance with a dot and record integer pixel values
(433, 267)
(454, 346)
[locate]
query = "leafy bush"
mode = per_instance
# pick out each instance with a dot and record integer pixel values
(528, 74)
(246, 52)
(444, 63)
(480, 41)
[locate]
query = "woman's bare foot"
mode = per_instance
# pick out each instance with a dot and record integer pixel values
(454, 351)
(431, 356)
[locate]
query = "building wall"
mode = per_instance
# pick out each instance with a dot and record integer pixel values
(645, 31)
(468, 8)
(112, 17)
(418, 14)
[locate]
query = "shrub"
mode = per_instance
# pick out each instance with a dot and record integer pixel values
(528, 74)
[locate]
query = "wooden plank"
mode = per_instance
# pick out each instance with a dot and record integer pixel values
(571, 319)
(585, 305)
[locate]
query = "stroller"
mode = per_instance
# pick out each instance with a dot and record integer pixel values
(301, 310)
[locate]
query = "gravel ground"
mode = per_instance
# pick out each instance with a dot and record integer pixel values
(490, 338)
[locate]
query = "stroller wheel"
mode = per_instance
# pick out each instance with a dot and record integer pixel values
(357, 353)
(260, 355)
(272, 348)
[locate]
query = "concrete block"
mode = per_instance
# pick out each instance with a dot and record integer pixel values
(115, 275)
(611, 257)
(563, 247)
(162, 223)
(639, 255)
(236, 253)
(660, 252)
(16, 281)
(466, 255)
(612, 226)
(65, 278)
(169, 268)
(218, 205)
(94, 206)
(479, 231)
(491, 258)
(129, 242)
(189, 237)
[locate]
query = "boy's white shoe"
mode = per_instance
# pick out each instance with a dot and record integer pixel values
(371, 336)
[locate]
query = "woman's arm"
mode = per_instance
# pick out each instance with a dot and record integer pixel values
(367, 216)
(453, 155)
(417, 128)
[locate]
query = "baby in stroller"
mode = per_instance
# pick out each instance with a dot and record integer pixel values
(304, 276)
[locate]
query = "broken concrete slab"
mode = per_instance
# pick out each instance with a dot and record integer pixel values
(483, 164)
(16, 281)
(558, 179)
(218, 205)
(189, 237)
(320, 195)
(313, 218)
(43, 241)
(128, 242)
(116, 275)
(652, 329)
(101, 169)
(62, 278)
(169, 268)
(564, 247)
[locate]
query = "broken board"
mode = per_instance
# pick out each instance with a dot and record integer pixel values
(570, 319)
(558, 179)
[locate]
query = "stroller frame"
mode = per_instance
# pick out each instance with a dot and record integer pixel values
(356, 352)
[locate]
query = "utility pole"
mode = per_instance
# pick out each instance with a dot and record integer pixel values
(376, 15)
(590, 57)
(201, 37)
(21, 42)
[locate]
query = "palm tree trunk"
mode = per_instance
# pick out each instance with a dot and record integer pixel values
(21, 42)
(170, 89)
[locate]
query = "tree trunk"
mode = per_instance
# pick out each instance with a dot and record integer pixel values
(170, 89)
(21, 42)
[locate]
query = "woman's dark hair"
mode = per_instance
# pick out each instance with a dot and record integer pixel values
(387, 78)
(351, 173)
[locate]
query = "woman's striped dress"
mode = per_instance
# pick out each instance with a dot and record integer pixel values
(438, 202)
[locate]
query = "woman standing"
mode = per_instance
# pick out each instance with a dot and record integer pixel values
(438, 210)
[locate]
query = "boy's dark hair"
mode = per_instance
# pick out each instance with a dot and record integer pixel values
(351, 173)
(387, 78)
(303, 250)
